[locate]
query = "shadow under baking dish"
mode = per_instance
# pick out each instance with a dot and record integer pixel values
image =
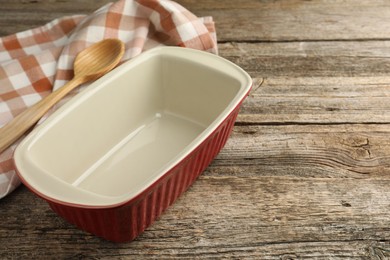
(127, 129)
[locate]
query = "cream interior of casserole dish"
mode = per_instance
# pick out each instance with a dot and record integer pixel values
(125, 130)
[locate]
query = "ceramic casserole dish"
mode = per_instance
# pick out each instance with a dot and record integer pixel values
(116, 155)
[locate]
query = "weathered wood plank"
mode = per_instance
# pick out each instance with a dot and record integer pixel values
(304, 21)
(310, 59)
(317, 100)
(248, 20)
(266, 217)
(306, 151)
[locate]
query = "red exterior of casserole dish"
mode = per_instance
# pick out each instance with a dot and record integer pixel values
(125, 221)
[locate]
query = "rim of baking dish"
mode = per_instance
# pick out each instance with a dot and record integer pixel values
(93, 200)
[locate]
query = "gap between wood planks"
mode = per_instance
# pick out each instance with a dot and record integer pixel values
(241, 123)
(303, 40)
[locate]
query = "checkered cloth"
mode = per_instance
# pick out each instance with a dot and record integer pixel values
(34, 62)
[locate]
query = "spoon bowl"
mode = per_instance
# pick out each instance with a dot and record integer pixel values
(90, 64)
(99, 58)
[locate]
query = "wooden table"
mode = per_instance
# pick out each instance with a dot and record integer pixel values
(306, 172)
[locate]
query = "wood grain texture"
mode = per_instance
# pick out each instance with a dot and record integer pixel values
(306, 151)
(248, 20)
(305, 174)
(310, 59)
(317, 100)
(260, 217)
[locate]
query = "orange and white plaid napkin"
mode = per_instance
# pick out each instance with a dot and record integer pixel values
(34, 62)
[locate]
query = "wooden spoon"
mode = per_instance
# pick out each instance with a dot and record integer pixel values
(90, 64)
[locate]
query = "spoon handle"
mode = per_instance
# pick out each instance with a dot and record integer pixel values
(13, 130)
